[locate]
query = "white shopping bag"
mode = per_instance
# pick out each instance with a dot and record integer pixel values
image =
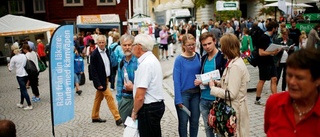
(132, 128)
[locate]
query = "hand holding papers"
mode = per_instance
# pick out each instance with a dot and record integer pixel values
(206, 77)
(274, 47)
(185, 109)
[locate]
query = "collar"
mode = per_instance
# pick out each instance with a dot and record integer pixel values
(144, 55)
(232, 61)
(101, 51)
(286, 100)
(132, 59)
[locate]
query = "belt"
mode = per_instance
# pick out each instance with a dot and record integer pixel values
(154, 103)
(125, 91)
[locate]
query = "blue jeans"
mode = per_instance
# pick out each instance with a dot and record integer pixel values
(23, 90)
(149, 117)
(191, 101)
(77, 78)
(205, 106)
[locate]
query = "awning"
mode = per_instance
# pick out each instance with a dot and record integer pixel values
(180, 13)
(106, 21)
(17, 25)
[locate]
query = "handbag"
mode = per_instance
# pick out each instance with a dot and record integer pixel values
(83, 79)
(222, 117)
(42, 66)
(31, 68)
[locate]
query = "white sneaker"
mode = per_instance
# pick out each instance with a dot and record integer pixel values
(28, 108)
(19, 105)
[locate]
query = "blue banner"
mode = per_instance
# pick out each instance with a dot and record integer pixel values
(62, 74)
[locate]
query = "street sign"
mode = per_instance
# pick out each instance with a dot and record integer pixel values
(227, 5)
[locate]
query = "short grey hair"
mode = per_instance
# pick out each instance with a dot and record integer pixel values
(145, 40)
(102, 37)
(126, 37)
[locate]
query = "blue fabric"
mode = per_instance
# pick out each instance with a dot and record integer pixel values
(131, 67)
(184, 71)
(118, 51)
(78, 64)
(190, 101)
(23, 90)
(208, 66)
(205, 106)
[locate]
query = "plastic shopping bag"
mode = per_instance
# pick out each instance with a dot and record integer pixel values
(132, 128)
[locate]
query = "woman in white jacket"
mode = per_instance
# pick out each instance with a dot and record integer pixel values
(17, 62)
(235, 78)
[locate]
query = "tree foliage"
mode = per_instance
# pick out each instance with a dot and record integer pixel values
(267, 11)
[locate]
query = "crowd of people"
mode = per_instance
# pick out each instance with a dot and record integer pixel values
(221, 46)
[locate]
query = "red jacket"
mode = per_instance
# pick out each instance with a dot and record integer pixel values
(279, 118)
(41, 49)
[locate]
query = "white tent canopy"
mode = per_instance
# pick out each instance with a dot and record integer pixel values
(275, 4)
(298, 1)
(17, 25)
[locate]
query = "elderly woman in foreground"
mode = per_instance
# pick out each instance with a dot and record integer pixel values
(235, 79)
(297, 111)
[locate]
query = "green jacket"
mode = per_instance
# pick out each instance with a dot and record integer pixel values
(244, 43)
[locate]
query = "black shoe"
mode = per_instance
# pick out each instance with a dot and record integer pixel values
(118, 122)
(79, 92)
(99, 120)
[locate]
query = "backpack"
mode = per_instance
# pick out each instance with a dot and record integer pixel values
(113, 58)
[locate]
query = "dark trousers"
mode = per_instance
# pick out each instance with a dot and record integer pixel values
(44, 60)
(23, 90)
(34, 81)
(149, 117)
(282, 67)
(113, 76)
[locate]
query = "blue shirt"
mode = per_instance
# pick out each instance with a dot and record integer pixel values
(184, 74)
(209, 65)
(78, 64)
(131, 67)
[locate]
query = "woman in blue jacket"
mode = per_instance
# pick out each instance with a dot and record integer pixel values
(186, 94)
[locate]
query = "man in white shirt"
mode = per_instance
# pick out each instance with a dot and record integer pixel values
(148, 105)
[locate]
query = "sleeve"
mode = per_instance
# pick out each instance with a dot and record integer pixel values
(233, 86)
(120, 53)
(251, 44)
(119, 83)
(11, 64)
(93, 69)
(176, 81)
(267, 114)
(144, 79)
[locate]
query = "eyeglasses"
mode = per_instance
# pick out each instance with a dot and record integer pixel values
(193, 44)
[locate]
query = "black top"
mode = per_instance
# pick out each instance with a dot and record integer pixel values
(294, 35)
(264, 42)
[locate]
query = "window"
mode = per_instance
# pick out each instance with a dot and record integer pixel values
(16, 6)
(72, 3)
(39, 6)
(106, 2)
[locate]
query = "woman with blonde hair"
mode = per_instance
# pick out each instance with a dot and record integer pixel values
(303, 40)
(187, 95)
(17, 62)
(235, 79)
(115, 51)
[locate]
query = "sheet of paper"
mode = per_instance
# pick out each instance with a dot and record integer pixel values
(130, 123)
(185, 109)
(206, 77)
(273, 47)
(198, 76)
(288, 47)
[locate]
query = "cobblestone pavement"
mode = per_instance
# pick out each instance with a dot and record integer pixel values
(37, 122)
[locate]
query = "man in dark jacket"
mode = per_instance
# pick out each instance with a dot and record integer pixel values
(100, 70)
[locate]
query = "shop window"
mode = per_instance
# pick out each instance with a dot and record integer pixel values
(69, 3)
(16, 6)
(106, 2)
(39, 6)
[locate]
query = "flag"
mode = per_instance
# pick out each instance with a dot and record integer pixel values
(282, 5)
(62, 75)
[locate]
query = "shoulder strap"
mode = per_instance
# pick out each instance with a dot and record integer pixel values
(114, 48)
